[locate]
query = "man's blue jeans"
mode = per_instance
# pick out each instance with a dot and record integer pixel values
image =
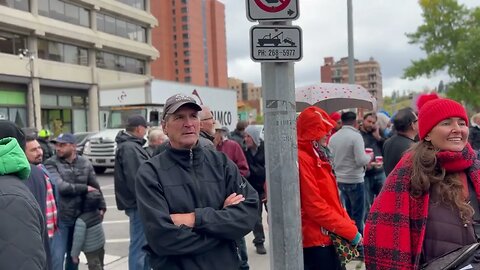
(373, 186)
(61, 245)
(242, 254)
(353, 195)
(137, 259)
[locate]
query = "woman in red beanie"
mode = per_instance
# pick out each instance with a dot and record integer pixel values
(426, 208)
(322, 211)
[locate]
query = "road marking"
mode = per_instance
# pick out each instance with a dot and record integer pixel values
(111, 207)
(108, 196)
(119, 240)
(111, 186)
(106, 260)
(116, 221)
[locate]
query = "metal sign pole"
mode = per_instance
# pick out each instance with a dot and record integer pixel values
(278, 88)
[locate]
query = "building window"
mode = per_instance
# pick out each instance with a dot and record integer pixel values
(184, 9)
(185, 27)
(11, 43)
(66, 12)
(188, 79)
(185, 36)
(60, 52)
(186, 61)
(121, 28)
(184, 19)
(120, 63)
(186, 70)
(186, 45)
(140, 4)
(186, 53)
(17, 4)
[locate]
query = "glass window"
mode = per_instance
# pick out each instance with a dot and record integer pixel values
(184, 9)
(57, 9)
(131, 31)
(70, 54)
(100, 22)
(185, 35)
(186, 45)
(42, 49)
(43, 7)
(120, 63)
(11, 43)
(55, 51)
(122, 28)
(186, 53)
(18, 116)
(185, 27)
(187, 70)
(78, 101)
(79, 120)
(141, 34)
(21, 5)
(3, 113)
(188, 79)
(82, 56)
(184, 18)
(100, 60)
(109, 60)
(84, 17)
(65, 101)
(72, 14)
(48, 100)
(110, 25)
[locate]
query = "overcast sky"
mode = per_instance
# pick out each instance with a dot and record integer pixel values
(379, 32)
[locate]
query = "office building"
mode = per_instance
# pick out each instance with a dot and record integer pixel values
(56, 56)
(367, 74)
(192, 42)
(249, 99)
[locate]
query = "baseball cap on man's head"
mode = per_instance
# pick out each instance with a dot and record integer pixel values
(174, 102)
(65, 138)
(136, 120)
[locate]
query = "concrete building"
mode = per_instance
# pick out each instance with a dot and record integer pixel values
(192, 42)
(249, 99)
(56, 56)
(367, 73)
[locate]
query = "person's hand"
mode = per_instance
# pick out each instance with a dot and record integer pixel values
(102, 213)
(233, 199)
(187, 219)
(90, 189)
(75, 260)
(369, 165)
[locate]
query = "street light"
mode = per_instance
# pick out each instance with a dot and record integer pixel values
(31, 56)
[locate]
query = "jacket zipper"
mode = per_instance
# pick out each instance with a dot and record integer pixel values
(195, 182)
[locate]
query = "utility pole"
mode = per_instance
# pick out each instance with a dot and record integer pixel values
(277, 44)
(351, 57)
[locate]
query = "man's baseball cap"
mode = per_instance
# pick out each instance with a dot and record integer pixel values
(174, 102)
(65, 138)
(136, 120)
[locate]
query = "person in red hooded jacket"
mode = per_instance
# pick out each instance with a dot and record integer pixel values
(322, 211)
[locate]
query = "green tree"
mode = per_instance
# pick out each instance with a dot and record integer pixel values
(450, 38)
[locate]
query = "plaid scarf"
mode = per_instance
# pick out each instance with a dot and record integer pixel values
(395, 227)
(51, 209)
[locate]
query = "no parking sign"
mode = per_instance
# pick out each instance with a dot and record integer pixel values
(272, 10)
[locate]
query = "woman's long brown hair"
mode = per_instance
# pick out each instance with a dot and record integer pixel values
(428, 176)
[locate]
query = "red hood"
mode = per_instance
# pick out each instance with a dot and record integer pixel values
(313, 124)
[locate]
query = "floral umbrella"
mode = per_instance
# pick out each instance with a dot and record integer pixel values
(333, 97)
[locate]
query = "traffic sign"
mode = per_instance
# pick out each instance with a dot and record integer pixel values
(272, 10)
(275, 43)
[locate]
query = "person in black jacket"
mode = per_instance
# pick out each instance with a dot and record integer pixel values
(128, 158)
(192, 199)
(75, 177)
(22, 226)
(255, 154)
(405, 123)
(474, 135)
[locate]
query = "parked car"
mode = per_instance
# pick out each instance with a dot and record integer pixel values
(81, 138)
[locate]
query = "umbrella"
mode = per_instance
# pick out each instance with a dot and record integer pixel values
(333, 97)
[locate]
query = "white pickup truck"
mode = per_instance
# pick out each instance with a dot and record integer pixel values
(147, 99)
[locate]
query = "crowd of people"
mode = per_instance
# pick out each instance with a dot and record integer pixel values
(403, 192)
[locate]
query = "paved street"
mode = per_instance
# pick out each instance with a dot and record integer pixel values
(116, 230)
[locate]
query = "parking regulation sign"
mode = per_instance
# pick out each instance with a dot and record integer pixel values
(276, 43)
(273, 10)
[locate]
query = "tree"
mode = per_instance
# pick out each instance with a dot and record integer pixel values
(449, 36)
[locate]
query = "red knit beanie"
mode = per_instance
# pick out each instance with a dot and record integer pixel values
(433, 109)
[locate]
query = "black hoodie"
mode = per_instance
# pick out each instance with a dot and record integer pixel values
(128, 158)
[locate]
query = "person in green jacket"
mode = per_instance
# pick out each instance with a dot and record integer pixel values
(22, 229)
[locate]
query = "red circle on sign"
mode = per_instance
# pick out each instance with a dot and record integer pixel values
(282, 6)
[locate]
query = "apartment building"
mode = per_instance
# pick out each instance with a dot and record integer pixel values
(249, 98)
(192, 42)
(56, 56)
(367, 74)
